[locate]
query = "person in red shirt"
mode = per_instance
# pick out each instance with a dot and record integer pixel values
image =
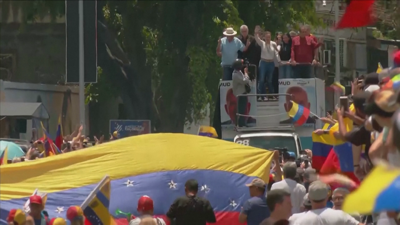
(303, 48)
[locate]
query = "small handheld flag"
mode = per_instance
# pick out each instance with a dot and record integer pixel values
(338, 88)
(298, 113)
(379, 70)
(207, 131)
(95, 207)
(59, 134)
(4, 157)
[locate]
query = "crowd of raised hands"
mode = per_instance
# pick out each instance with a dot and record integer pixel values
(72, 142)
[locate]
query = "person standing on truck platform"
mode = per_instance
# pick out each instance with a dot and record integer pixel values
(227, 49)
(240, 87)
(303, 51)
(269, 53)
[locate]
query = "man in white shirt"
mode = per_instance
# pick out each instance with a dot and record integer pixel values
(306, 207)
(320, 214)
(297, 191)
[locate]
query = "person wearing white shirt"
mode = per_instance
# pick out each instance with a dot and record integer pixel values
(306, 207)
(269, 54)
(320, 214)
(297, 191)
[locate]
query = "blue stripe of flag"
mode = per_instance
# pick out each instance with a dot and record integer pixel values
(103, 199)
(299, 113)
(345, 155)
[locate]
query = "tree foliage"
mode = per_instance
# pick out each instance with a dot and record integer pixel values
(388, 15)
(161, 54)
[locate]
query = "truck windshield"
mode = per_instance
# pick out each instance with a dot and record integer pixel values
(270, 142)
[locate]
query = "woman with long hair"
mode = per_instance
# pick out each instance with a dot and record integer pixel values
(269, 53)
(285, 55)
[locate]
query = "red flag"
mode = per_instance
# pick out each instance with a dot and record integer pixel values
(359, 13)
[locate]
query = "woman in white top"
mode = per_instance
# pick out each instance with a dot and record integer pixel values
(269, 53)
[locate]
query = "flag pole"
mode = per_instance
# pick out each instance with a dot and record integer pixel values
(337, 48)
(81, 68)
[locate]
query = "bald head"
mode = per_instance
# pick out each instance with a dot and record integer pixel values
(298, 95)
(244, 30)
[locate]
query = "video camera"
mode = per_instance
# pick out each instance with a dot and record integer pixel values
(303, 158)
(252, 70)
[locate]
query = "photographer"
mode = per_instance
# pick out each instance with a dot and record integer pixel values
(240, 85)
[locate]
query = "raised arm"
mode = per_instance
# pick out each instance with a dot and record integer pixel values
(257, 36)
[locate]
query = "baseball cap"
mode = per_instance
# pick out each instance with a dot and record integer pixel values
(35, 199)
(74, 213)
(16, 216)
(370, 79)
(58, 221)
(306, 200)
(318, 191)
(257, 182)
(145, 203)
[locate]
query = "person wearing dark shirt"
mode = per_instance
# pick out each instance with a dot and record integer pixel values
(255, 209)
(191, 209)
(285, 53)
(253, 52)
(303, 49)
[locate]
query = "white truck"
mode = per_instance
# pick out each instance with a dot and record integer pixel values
(268, 124)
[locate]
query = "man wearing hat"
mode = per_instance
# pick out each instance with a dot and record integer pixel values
(146, 209)
(16, 217)
(255, 209)
(228, 48)
(75, 215)
(319, 213)
(297, 191)
(36, 206)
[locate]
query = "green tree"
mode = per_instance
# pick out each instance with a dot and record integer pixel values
(160, 55)
(388, 15)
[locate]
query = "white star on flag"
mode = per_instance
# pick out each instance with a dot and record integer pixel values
(205, 188)
(233, 203)
(172, 185)
(129, 183)
(59, 210)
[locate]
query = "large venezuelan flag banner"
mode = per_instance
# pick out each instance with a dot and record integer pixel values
(157, 165)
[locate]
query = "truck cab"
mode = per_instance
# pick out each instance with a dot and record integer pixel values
(271, 140)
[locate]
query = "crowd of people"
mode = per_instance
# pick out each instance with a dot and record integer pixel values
(288, 55)
(45, 147)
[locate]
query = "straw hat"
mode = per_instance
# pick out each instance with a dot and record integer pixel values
(230, 32)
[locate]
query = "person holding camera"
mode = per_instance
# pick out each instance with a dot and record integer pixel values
(240, 85)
